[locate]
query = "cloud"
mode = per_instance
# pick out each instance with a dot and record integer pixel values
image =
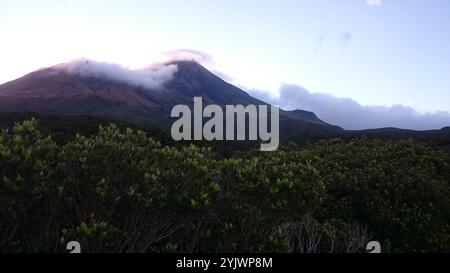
(200, 57)
(373, 2)
(189, 55)
(151, 77)
(351, 115)
(346, 37)
(320, 41)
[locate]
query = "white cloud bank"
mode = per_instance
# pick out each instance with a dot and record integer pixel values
(351, 115)
(151, 77)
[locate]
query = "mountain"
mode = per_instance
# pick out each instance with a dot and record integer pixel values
(57, 91)
(53, 90)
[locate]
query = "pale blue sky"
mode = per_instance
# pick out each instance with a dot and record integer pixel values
(394, 53)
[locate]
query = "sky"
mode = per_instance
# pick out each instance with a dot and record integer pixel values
(376, 54)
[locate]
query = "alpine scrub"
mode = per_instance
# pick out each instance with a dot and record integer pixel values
(120, 190)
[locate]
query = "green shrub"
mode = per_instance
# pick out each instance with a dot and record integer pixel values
(121, 191)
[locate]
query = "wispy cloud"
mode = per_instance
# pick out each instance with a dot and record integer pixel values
(189, 55)
(346, 37)
(201, 57)
(151, 77)
(373, 2)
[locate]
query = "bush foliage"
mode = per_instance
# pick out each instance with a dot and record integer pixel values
(122, 191)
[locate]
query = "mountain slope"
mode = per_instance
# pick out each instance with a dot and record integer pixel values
(55, 90)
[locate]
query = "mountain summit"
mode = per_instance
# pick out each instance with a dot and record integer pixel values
(144, 97)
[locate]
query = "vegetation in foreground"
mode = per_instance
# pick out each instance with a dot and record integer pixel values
(120, 190)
